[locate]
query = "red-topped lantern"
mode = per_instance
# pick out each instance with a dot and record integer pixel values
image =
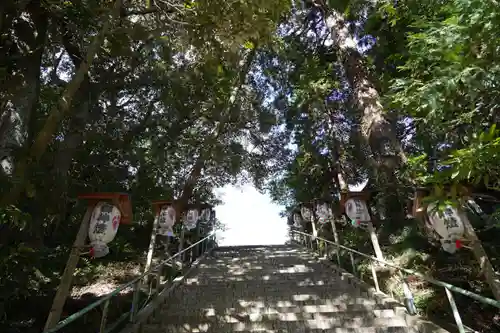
(448, 225)
(355, 207)
(324, 213)
(119, 200)
(110, 209)
(166, 217)
(192, 217)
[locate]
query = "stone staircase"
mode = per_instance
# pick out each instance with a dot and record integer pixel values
(271, 289)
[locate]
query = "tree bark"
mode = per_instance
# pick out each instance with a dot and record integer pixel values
(376, 128)
(23, 95)
(200, 163)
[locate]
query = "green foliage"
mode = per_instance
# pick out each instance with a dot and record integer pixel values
(168, 91)
(222, 92)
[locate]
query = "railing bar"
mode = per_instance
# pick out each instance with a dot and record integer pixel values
(92, 306)
(135, 302)
(454, 309)
(120, 320)
(104, 316)
(451, 287)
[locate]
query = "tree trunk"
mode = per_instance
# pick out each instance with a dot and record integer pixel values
(57, 113)
(199, 165)
(64, 158)
(376, 128)
(22, 96)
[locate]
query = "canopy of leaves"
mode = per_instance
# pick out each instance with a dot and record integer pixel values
(172, 99)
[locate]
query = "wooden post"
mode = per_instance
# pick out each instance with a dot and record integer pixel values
(67, 277)
(313, 225)
(120, 200)
(181, 246)
(152, 241)
(481, 256)
(375, 243)
(336, 239)
(371, 229)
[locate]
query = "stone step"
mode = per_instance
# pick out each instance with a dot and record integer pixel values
(352, 309)
(287, 287)
(271, 289)
(344, 319)
(158, 329)
(265, 278)
(246, 284)
(229, 283)
(369, 310)
(326, 325)
(228, 301)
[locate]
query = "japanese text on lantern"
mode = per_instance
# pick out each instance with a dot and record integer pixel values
(449, 219)
(163, 216)
(359, 208)
(102, 219)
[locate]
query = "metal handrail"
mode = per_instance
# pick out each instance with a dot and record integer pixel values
(106, 299)
(448, 287)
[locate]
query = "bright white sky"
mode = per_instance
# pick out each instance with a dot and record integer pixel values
(250, 217)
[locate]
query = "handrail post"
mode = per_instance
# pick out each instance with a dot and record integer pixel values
(409, 301)
(454, 309)
(104, 317)
(181, 246)
(337, 253)
(135, 302)
(450, 287)
(159, 273)
(136, 283)
(336, 239)
(375, 279)
(352, 263)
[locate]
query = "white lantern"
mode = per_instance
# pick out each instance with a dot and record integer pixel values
(191, 219)
(324, 213)
(103, 227)
(357, 211)
(448, 225)
(306, 213)
(204, 216)
(166, 221)
(297, 220)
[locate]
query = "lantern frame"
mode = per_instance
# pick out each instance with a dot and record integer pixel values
(330, 213)
(118, 199)
(310, 208)
(158, 205)
(344, 196)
